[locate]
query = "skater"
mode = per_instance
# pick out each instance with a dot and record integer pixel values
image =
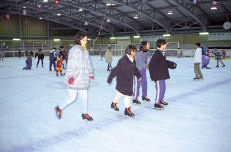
(59, 65)
(19, 54)
(141, 63)
(28, 63)
(124, 72)
(108, 57)
(218, 57)
(40, 57)
(78, 72)
(26, 53)
(223, 54)
(179, 53)
(197, 62)
(65, 55)
(205, 58)
(1, 55)
(158, 69)
(53, 58)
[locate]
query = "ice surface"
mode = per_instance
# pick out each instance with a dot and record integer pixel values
(197, 119)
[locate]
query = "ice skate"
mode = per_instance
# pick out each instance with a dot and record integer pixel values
(163, 102)
(196, 78)
(87, 116)
(58, 112)
(145, 98)
(158, 106)
(223, 65)
(136, 101)
(127, 112)
(114, 106)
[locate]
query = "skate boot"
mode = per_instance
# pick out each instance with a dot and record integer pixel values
(127, 112)
(57, 74)
(145, 98)
(136, 101)
(200, 78)
(114, 106)
(87, 116)
(158, 106)
(223, 65)
(217, 66)
(58, 112)
(196, 78)
(163, 102)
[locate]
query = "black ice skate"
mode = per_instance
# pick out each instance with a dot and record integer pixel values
(200, 78)
(196, 78)
(127, 112)
(114, 106)
(87, 116)
(136, 101)
(58, 112)
(223, 65)
(163, 102)
(145, 98)
(158, 106)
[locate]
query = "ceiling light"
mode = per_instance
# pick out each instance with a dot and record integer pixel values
(170, 13)
(166, 34)
(45, 1)
(112, 38)
(58, 14)
(40, 18)
(24, 6)
(136, 36)
(213, 8)
(85, 23)
(108, 20)
(80, 9)
(108, 4)
(204, 33)
(16, 39)
(88, 39)
(56, 40)
(135, 17)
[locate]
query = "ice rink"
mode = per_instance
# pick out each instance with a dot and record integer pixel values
(197, 119)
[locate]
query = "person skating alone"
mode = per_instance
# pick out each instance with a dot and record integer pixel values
(158, 69)
(79, 71)
(124, 72)
(197, 61)
(108, 57)
(40, 57)
(218, 57)
(141, 63)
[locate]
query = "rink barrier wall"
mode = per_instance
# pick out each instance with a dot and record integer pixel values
(119, 52)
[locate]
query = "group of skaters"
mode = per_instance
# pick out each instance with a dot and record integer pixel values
(202, 57)
(56, 59)
(130, 68)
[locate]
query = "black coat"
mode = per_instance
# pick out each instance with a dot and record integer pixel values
(124, 72)
(158, 66)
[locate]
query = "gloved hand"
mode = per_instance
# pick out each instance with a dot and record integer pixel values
(91, 77)
(71, 81)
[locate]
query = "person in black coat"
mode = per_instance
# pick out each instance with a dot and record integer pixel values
(158, 69)
(63, 52)
(40, 57)
(124, 72)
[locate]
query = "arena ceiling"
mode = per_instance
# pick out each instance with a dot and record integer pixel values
(115, 16)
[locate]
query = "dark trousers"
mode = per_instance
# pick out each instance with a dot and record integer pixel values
(38, 62)
(52, 62)
(109, 67)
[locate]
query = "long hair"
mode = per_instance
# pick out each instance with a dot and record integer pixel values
(79, 36)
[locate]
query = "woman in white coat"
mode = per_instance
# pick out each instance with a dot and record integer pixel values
(197, 60)
(78, 72)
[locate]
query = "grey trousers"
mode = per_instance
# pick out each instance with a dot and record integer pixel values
(220, 60)
(197, 70)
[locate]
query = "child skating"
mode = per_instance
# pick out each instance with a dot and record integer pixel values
(124, 72)
(59, 65)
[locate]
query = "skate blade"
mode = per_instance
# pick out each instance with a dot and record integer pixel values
(158, 108)
(127, 117)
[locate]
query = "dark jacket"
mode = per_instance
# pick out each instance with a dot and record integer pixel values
(64, 53)
(124, 72)
(158, 66)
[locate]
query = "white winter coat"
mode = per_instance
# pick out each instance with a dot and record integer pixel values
(79, 67)
(198, 55)
(108, 56)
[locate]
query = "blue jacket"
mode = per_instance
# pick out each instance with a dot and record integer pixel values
(28, 63)
(141, 59)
